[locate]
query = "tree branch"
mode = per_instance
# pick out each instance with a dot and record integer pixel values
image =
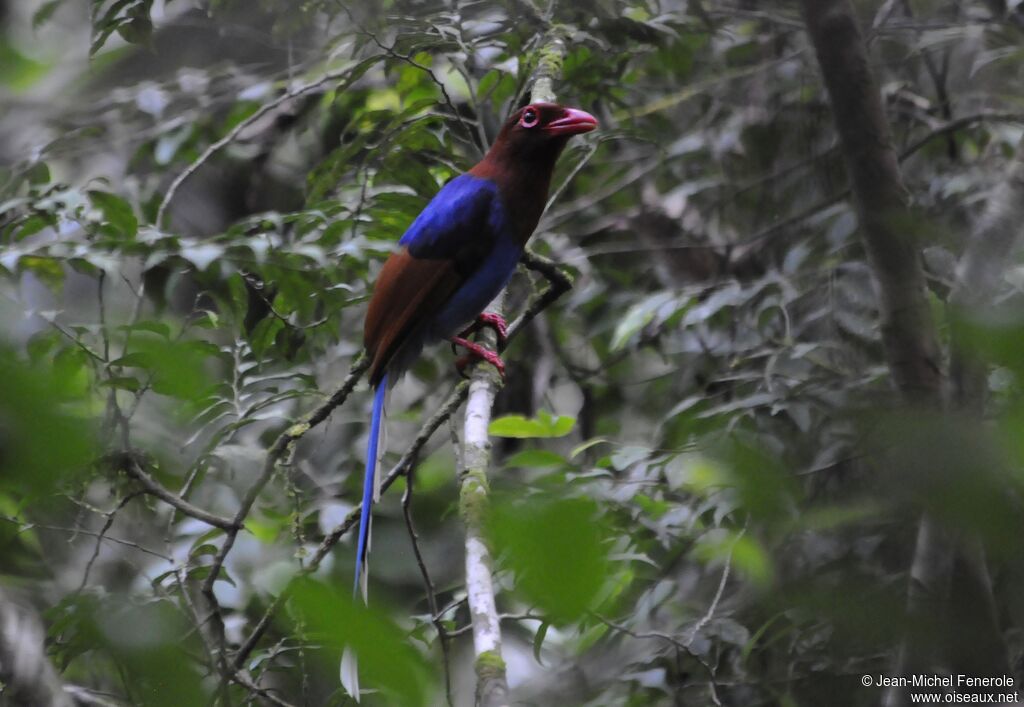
(879, 197)
(684, 646)
(130, 465)
(428, 584)
(492, 685)
(558, 284)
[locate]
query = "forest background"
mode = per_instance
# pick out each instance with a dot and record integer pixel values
(761, 434)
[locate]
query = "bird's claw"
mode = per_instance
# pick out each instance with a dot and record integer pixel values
(492, 321)
(495, 322)
(476, 352)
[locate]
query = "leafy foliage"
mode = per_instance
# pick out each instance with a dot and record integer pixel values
(707, 490)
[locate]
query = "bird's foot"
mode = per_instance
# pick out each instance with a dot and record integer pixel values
(492, 321)
(497, 323)
(476, 352)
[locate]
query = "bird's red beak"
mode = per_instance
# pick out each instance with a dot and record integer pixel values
(572, 122)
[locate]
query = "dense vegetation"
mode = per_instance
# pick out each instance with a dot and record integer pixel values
(706, 487)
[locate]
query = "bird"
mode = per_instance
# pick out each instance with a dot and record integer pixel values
(453, 260)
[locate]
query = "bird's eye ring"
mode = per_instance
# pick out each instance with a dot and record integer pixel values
(529, 118)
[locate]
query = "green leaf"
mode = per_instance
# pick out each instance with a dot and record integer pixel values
(580, 448)
(178, 367)
(45, 12)
(535, 458)
(17, 71)
(625, 457)
(117, 212)
(151, 644)
(740, 549)
(48, 270)
(31, 226)
(39, 174)
(139, 28)
(387, 662)
(202, 255)
(122, 383)
(659, 306)
(158, 328)
(43, 442)
(266, 530)
(538, 640)
(544, 425)
(557, 550)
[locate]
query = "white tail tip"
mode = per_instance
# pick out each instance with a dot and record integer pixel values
(350, 673)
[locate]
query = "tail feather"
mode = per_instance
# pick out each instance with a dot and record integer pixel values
(370, 484)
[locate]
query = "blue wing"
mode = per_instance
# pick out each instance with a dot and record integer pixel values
(458, 223)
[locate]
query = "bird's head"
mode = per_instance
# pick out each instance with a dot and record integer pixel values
(543, 129)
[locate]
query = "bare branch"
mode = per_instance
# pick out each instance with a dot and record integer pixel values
(428, 584)
(102, 535)
(718, 593)
(28, 525)
(130, 465)
(682, 646)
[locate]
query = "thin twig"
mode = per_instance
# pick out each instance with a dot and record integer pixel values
(559, 282)
(718, 593)
(592, 148)
(233, 134)
(408, 59)
(155, 488)
(428, 583)
(451, 404)
(501, 617)
(28, 525)
(245, 681)
(684, 647)
(959, 124)
(101, 535)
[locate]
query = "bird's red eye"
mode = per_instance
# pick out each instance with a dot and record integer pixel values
(529, 118)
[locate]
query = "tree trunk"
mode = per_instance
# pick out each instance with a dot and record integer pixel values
(889, 234)
(886, 226)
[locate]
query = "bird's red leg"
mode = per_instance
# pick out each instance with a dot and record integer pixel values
(495, 322)
(476, 351)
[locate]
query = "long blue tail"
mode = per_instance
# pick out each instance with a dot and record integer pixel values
(368, 481)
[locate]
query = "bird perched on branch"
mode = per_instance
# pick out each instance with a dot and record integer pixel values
(455, 258)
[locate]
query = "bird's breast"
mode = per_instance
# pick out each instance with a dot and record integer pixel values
(479, 289)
